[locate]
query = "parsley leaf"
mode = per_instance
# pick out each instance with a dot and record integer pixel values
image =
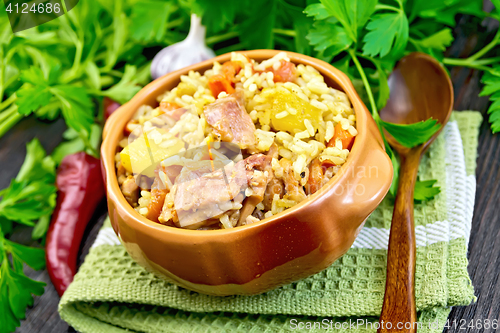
(76, 106)
(41, 227)
(31, 196)
(218, 14)
(257, 30)
(33, 257)
(149, 19)
(388, 32)
(318, 11)
(411, 135)
(36, 165)
(7, 318)
(439, 40)
(445, 11)
(352, 14)
(321, 38)
(424, 8)
(32, 193)
(425, 190)
(124, 90)
(73, 100)
(491, 81)
(33, 97)
(20, 289)
(76, 144)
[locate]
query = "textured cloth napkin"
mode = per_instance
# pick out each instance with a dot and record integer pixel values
(111, 293)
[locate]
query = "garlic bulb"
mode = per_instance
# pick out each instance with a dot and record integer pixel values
(185, 53)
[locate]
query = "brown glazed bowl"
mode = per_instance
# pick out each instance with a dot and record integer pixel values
(255, 258)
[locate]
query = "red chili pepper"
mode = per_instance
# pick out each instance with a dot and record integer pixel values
(80, 190)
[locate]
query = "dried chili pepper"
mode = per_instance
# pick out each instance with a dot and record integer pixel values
(80, 190)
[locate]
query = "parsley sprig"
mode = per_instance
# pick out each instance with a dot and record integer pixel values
(29, 200)
(66, 66)
(491, 68)
(378, 34)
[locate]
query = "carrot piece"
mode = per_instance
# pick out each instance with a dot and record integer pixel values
(172, 110)
(344, 135)
(156, 204)
(327, 163)
(286, 72)
(219, 83)
(230, 69)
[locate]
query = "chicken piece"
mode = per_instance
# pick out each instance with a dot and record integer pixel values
(259, 173)
(172, 171)
(273, 151)
(205, 190)
(231, 122)
(275, 186)
(200, 193)
(259, 178)
(251, 219)
(130, 190)
(293, 190)
(121, 173)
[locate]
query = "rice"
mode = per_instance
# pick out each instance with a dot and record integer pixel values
(300, 146)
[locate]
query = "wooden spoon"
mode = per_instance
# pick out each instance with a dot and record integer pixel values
(420, 89)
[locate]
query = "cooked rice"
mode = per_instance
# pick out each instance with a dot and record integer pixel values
(300, 147)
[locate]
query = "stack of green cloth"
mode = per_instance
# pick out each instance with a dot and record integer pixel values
(111, 293)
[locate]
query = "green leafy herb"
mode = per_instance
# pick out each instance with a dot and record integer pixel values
(425, 190)
(218, 14)
(30, 197)
(73, 101)
(149, 20)
(32, 193)
(126, 88)
(75, 143)
(412, 135)
(320, 37)
(439, 41)
(257, 29)
(352, 14)
(387, 31)
(366, 45)
(491, 81)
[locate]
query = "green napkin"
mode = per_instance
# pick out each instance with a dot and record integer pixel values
(111, 293)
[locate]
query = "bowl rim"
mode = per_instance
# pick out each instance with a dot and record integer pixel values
(112, 134)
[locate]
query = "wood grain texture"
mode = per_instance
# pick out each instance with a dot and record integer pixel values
(484, 247)
(399, 299)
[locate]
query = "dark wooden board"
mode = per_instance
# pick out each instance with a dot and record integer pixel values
(484, 248)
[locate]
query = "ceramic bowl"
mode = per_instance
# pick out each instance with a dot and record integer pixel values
(252, 259)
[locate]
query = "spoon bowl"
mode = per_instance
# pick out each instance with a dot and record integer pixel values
(420, 88)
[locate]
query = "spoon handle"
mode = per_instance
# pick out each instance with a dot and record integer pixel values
(399, 299)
